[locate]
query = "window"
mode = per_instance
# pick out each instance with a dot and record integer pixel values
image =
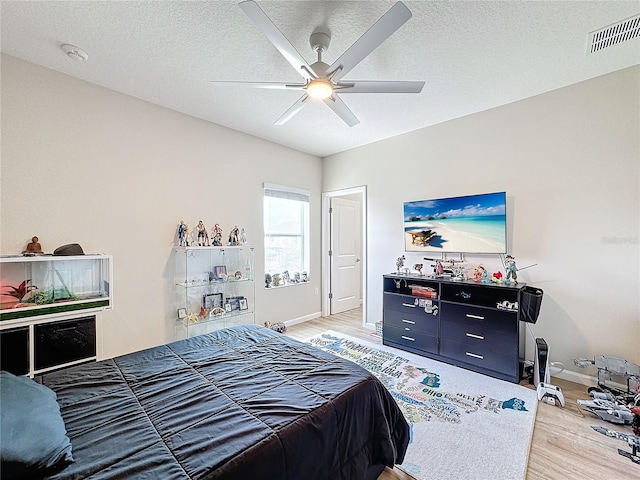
(286, 232)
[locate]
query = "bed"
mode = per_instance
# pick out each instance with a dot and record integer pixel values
(240, 403)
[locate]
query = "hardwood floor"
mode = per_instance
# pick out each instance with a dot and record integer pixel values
(564, 446)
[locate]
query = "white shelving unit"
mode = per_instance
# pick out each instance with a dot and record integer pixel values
(214, 288)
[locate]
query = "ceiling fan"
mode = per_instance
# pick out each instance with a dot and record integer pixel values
(322, 81)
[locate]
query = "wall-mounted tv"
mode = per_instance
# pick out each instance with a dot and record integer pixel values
(467, 224)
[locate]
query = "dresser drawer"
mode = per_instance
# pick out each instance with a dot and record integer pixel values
(412, 340)
(410, 322)
(480, 357)
(482, 295)
(485, 318)
(409, 304)
(480, 335)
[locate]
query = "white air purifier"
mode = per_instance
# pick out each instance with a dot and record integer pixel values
(541, 363)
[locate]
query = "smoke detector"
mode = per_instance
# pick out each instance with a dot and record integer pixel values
(75, 53)
(613, 34)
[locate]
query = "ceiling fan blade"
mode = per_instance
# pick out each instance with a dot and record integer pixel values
(275, 36)
(391, 21)
(337, 105)
(380, 87)
(270, 85)
(293, 109)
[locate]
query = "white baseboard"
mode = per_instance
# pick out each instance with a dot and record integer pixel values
(306, 318)
(575, 377)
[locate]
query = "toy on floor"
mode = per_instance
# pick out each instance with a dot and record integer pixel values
(632, 440)
(609, 367)
(277, 326)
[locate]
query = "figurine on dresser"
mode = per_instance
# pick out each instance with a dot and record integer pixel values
(510, 267)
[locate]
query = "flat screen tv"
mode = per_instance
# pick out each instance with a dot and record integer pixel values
(467, 224)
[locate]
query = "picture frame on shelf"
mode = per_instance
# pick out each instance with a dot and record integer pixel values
(244, 305)
(212, 300)
(220, 272)
(182, 313)
(235, 302)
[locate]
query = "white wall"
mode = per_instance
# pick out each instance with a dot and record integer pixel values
(569, 162)
(83, 164)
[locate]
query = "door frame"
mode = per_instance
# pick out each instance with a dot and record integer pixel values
(326, 243)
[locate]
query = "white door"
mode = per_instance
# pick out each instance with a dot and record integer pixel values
(345, 259)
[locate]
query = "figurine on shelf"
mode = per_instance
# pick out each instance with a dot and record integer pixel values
(480, 273)
(203, 237)
(267, 280)
(182, 234)
(510, 267)
(275, 279)
(233, 236)
(33, 248)
(497, 277)
(217, 240)
(286, 278)
(400, 262)
(304, 277)
(438, 268)
(243, 237)
(418, 268)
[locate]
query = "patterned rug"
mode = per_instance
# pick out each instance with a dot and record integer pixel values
(463, 425)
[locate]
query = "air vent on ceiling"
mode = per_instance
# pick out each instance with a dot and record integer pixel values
(613, 34)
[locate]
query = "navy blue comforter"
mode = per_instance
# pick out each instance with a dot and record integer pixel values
(240, 403)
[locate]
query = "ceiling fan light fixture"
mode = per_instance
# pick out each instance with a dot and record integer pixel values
(319, 88)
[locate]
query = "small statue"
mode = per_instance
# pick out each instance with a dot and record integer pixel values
(275, 278)
(216, 236)
(203, 237)
(217, 240)
(400, 262)
(286, 278)
(33, 248)
(296, 277)
(304, 277)
(182, 234)
(510, 267)
(479, 273)
(243, 237)
(438, 268)
(233, 236)
(267, 280)
(418, 268)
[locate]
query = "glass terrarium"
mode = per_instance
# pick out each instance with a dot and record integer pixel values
(48, 284)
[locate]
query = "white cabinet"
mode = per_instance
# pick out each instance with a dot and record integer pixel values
(214, 288)
(50, 310)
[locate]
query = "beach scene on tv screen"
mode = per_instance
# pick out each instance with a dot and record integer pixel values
(466, 224)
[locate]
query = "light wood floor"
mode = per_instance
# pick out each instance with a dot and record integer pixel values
(563, 446)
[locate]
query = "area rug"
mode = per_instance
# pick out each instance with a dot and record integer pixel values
(464, 425)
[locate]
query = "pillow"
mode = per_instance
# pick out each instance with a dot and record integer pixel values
(33, 439)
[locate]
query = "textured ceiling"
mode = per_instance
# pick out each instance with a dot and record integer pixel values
(473, 56)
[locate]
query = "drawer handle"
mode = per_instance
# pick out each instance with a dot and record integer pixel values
(409, 321)
(409, 305)
(477, 317)
(474, 355)
(408, 338)
(479, 337)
